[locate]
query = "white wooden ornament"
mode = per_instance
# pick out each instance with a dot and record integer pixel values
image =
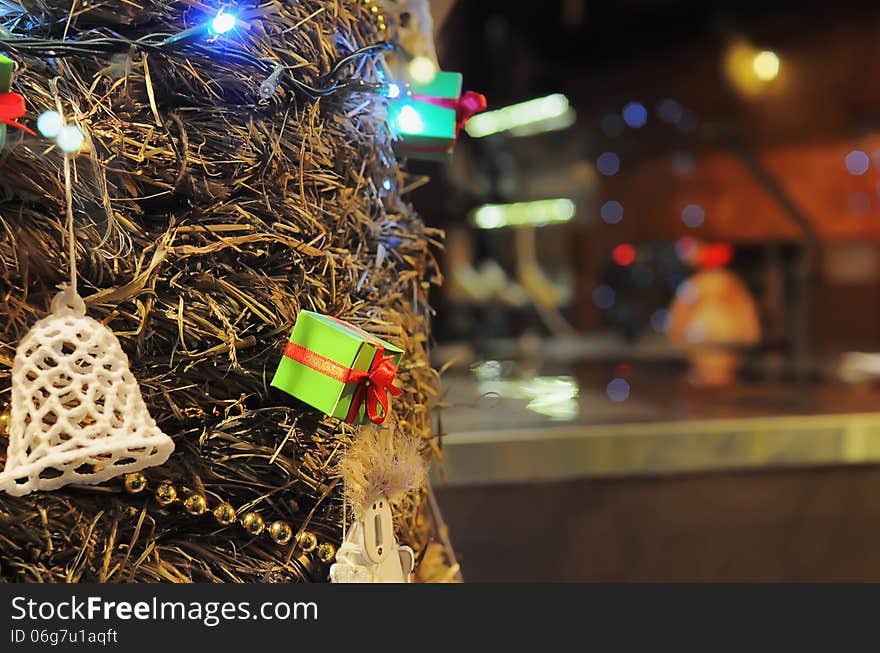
(78, 416)
(370, 552)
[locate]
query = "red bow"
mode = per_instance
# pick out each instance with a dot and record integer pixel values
(374, 386)
(465, 107)
(12, 107)
(468, 105)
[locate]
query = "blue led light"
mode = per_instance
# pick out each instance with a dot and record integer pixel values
(392, 91)
(611, 212)
(857, 162)
(223, 23)
(635, 114)
(618, 390)
(386, 184)
(608, 163)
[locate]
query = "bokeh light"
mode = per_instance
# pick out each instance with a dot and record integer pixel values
(683, 163)
(611, 212)
(422, 70)
(716, 255)
(608, 163)
(410, 121)
(223, 23)
(635, 114)
(618, 390)
(520, 214)
(547, 113)
(686, 248)
(603, 297)
(687, 292)
(766, 65)
(624, 254)
(70, 140)
(660, 320)
(857, 162)
(693, 215)
(50, 124)
(670, 111)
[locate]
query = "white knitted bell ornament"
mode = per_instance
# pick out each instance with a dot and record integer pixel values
(78, 416)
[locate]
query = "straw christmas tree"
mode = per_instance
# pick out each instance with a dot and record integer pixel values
(227, 182)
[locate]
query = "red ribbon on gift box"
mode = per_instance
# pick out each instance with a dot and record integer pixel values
(465, 107)
(12, 107)
(374, 386)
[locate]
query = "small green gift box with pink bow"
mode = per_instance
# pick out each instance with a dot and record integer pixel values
(426, 121)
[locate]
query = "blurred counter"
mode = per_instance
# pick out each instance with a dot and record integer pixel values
(515, 421)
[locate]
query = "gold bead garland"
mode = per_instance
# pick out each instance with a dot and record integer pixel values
(281, 532)
(224, 514)
(196, 504)
(166, 494)
(307, 542)
(253, 523)
(326, 552)
(4, 423)
(135, 482)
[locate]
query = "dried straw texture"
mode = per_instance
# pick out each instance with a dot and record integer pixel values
(206, 219)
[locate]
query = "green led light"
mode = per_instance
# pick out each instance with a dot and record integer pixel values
(553, 109)
(524, 214)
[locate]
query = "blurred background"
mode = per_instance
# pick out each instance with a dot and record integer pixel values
(659, 328)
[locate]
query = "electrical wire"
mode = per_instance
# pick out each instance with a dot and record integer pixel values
(184, 43)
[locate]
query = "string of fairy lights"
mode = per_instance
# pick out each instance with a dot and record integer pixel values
(204, 39)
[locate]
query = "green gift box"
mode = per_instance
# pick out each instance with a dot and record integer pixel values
(424, 122)
(338, 368)
(7, 68)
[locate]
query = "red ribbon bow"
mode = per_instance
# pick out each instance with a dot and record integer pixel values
(469, 105)
(465, 107)
(374, 386)
(12, 107)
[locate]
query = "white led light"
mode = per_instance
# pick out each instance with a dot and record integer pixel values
(50, 124)
(766, 65)
(410, 121)
(223, 23)
(70, 139)
(393, 91)
(422, 70)
(489, 217)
